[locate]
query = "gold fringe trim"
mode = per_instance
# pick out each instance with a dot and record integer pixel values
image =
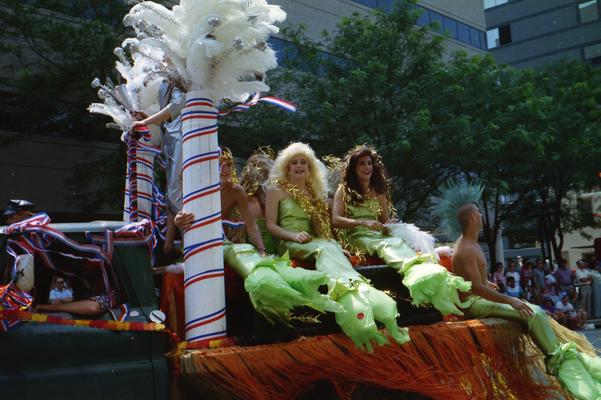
(477, 359)
(566, 335)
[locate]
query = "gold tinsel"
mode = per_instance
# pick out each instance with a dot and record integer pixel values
(315, 208)
(256, 172)
(375, 208)
(225, 155)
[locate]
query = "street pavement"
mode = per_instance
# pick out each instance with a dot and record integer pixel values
(594, 336)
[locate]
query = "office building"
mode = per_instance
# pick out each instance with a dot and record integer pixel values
(530, 33)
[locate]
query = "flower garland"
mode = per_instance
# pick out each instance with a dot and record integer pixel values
(315, 208)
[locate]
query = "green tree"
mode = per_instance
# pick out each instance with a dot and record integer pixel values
(53, 50)
(503, 129)
(572, 150)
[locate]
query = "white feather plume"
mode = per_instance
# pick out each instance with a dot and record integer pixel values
(417, 239)
(215, 45)
(143, 75)
(118, 114)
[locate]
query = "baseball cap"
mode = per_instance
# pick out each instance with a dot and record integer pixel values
(15, 206)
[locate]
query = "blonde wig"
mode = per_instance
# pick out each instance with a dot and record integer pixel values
(317, 171)
(255, 174)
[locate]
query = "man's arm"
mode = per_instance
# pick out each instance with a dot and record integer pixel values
(467, 263)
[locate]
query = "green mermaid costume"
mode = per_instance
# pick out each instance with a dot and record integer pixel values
(427, 282)
(579, 373)
(274, 287)
(363, 304)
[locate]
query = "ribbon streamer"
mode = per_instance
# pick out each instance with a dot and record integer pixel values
(20, 316)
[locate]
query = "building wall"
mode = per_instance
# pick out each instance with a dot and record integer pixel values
(577, 246)
(542, 31)
(319, 15)
(35, 168)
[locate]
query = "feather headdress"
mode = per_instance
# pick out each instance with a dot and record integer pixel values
(454, 195)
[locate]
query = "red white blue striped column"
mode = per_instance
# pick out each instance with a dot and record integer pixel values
(203, 241)
(140, 176)
(145, 179)
(145, 154)
(126, 206)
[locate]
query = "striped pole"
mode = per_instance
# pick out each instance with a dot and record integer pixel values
(126, 205)
(203, 242)
(140, 175)
(145, 154)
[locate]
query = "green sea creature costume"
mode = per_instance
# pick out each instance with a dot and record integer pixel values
(428, 283)
(579, 373)
(274, 287)
(362, 303)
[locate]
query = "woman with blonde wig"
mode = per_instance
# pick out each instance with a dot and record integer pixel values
(297, 215)
(274, 287)
(361, 208)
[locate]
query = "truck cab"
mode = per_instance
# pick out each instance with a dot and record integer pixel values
(42, 360)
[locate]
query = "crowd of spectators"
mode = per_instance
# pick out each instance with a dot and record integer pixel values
(569, 295)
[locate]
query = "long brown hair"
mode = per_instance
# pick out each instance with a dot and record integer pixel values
(379, 182)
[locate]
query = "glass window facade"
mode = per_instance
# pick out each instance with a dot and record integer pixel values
(593, 53)
(453, 28)
(493, 3)
(498, 36)
(450, 27)
(456, 29)
(588, 11)
(436, 18)
(463, 33)
(492, 38)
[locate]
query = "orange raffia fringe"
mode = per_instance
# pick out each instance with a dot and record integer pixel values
(476, 359)
(13, 315)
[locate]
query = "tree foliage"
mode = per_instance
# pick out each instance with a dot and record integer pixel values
(571, 157)
(503, 130)
(370, 82)
(53, 49)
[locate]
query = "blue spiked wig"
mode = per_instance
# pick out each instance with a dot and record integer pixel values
(454, 195)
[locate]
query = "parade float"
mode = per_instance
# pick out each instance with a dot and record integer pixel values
(202, 336)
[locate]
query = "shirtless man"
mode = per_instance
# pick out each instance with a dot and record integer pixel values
(469, 262)
(575, 370)
(232, 195)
